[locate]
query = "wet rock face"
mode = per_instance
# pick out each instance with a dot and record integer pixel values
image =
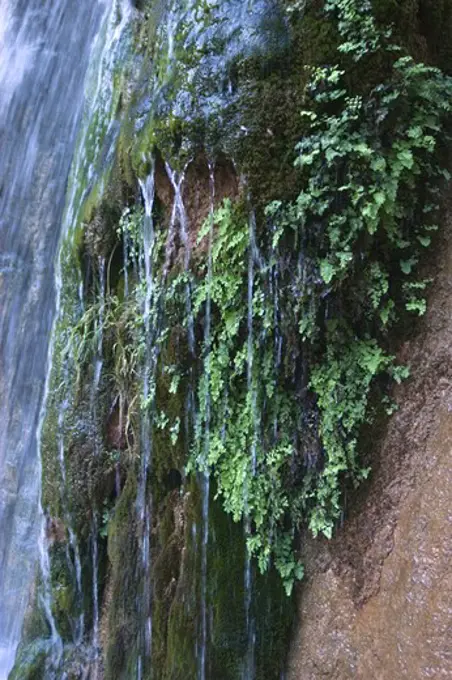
(377, 600)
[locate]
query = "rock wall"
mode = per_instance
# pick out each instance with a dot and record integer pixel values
(377, 599)
(148, 575)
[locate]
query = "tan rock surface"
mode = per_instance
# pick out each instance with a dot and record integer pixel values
(377, 601)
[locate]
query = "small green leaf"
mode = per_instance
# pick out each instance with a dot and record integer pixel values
(406, 158)
(425, 241)
(327, 271)
(407, 265)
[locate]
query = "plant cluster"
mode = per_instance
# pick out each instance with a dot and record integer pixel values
(346, 253)
(291, 309)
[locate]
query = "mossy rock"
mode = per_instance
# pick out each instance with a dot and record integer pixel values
(123, 552)
(31, 661)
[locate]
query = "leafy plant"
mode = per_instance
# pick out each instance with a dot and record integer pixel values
(347, 251)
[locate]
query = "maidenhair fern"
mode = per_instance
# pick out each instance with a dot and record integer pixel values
(349, 247)
(291, 308)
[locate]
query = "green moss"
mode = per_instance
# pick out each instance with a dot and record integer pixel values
(271, 609)
(31, 663)
(123, 553)
(259, 129)
(177, 603)
(424, 27)
(169, 444)
(179, 634)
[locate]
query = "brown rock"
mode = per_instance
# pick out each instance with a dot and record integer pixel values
(376, 604)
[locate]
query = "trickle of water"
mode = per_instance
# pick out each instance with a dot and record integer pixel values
(125, 259)
(80, 628)
(253, 256)
(250, 381)
(278, 336)
(75, 565)
(148, 192)
(205, 482)
(45, 595)
(179, 210)
(144, 501)
(117, 479)
(99, 359)
(179, 214)
(95, 570)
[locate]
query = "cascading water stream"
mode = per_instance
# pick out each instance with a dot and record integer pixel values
(45, 598)
(95, 570)
(97, 374)
(144, 499)
(253, 255)
(73, 560)
(205, 481)
(44, 54)
(98, 359)
(179, 214)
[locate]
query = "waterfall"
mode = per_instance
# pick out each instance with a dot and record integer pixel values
(144, 499)
(62, 72)
(95, 568)
(44, 53)
(254, 258)
(205, 482)
(179, 213)
(74, 562)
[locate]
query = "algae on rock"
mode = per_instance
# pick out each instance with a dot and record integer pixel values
(194, 319)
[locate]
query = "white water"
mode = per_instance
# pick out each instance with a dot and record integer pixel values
(45, 597)
(179, 216)
(99, 357)
(144, 499)
(44, 52)
(95, 570)
(253, 256)
(73, 560)
(205, 481)
(45, 48)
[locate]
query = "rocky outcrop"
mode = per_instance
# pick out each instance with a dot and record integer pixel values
(377, 599)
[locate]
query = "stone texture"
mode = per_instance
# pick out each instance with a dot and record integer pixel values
(377, 602)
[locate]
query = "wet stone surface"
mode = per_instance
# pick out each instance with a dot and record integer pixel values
(377, 600)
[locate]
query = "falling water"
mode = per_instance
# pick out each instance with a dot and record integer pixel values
(144, 501)
(80, 627)
(46, 597)
(205, 484)
(252, 395)
(45, 593)
(97, 374)
(99, 359)
(125, 259)
(278, 337)
(73, 560)
(44, 53)
(179, 211)
(95, 568)
(179, 215)
(148, 192)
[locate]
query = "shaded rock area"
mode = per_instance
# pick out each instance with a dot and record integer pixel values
(377, 599)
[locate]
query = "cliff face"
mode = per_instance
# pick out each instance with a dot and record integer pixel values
(229, 277)
(376, 601)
